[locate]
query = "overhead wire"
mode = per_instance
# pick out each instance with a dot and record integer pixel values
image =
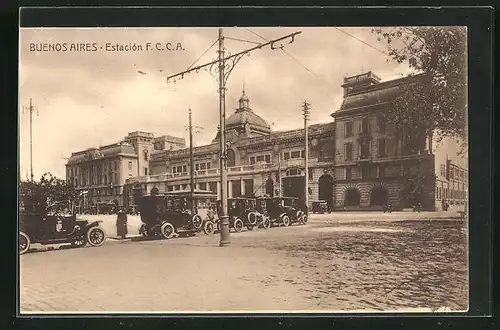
(206, 51)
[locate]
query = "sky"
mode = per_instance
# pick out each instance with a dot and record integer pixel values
(86, 99)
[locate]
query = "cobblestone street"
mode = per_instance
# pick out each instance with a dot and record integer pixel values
(337, 262)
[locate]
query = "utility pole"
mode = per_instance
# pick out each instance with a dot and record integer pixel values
(221, 68)
(31, 109)
(279, 175)
(191, 163)
(305, 113)
(224, 237)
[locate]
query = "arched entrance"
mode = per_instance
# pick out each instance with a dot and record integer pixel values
(352, 197)
(379, 196)
(326, 189)
(270, 187)
(231, 158)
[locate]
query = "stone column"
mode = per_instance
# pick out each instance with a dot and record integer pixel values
(230, 189)
(242, 184)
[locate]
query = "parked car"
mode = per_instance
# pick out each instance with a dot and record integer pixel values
(203, 204)
(168, 216)
(55, 223)
(319, 207)
(242, 212)
(283, 210)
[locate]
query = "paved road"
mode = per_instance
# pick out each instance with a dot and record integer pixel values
(331, 264)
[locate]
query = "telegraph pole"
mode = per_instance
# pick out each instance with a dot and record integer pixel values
(191, 163)
(221, 68)
(305, 113)
(31, 109)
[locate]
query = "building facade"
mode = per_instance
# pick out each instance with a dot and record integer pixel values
(260, 161)
(100, 174)
(356, 162)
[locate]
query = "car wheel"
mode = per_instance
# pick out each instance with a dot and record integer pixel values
(24, 243)
(304, 219)
(209, 228)
(96, 236)
(167, 230)
(79, 241)
(219, 226)
(143, 230)
(285, 220)
(252, 218)
(266, 223)
(197, 221)
(238, 225)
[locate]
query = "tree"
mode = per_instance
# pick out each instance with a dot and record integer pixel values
(48, 190)
(433, 99)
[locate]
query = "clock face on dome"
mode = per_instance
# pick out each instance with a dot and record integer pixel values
(314, 142)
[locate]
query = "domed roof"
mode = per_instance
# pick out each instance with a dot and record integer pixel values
(244, 115)
(245, 121)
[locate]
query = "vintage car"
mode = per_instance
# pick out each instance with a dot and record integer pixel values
(282, 210)
(203, 201)
(242, 212)
(55, 223)
(169, 215)
(319, 207)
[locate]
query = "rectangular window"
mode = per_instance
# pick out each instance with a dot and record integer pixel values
(249, 189)
(203, 166)
(348, 151)
(145, 171)
(213, 187)
(364, 147)
(252, 160)
(268, 159)
(295, 154)
(130, 166)
(347, 129)
(365, 125)
(310, 173)
(365, 172)
(382, 124)
(184, 168)
(260, 159)
(382, 148)
(203, 185)
(286, 155)
(209, 165)
(381, 171)
(196, 167)
(348, 173)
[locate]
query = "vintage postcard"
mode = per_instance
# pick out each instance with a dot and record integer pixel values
(243, 170)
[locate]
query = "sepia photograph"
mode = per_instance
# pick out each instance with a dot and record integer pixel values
(243, 170)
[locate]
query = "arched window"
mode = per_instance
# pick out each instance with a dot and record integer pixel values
(146, 154)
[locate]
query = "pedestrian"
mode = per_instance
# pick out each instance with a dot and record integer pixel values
(121, 224)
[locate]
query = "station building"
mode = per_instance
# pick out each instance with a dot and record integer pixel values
(357, 161)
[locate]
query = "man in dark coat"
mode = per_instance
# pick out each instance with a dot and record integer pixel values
(121, 224)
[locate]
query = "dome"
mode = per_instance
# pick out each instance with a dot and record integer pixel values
(245, 121)
(240, 118)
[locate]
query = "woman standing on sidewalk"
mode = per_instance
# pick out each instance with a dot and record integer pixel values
(121, 223)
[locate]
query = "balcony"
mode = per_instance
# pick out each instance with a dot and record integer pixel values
(242, 169)
(364, 159)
